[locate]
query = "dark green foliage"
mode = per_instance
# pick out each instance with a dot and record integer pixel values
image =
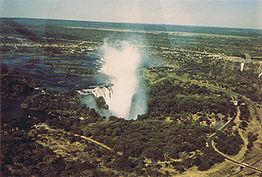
(22, 156)
(169, 98)
(150, 136)
(101, 103)
(243, 125)
(124, 163)
(229, 144)
(208, 159)
(252, 137)
(14, 86)
(245, 114)
(228, 75)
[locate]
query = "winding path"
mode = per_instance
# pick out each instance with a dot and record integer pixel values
(94, 141)
(210, 141)
(46, 127)
(211, 144)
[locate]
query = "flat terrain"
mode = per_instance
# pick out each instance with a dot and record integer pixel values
(203, 85)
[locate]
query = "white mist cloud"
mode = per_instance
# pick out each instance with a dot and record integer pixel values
(121, 63)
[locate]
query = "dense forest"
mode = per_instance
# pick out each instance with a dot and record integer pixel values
(47, 130)
(159, 135)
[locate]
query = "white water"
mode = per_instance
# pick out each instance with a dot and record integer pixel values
(97, 91)
(121, 64)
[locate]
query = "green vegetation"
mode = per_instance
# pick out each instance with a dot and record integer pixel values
(190, 98)
(229, 143)
(170, 98)
(252, 137)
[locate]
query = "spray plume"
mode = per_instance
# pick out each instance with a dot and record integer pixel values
(121, 63)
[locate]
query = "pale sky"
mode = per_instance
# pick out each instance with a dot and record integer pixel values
(225, 13)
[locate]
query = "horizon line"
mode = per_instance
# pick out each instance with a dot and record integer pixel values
(146, 23)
